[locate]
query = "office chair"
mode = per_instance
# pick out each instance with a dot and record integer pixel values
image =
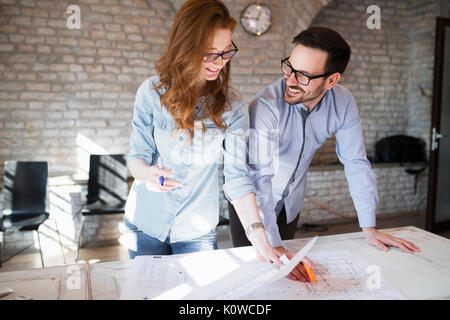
(107, 188)
(25, 200)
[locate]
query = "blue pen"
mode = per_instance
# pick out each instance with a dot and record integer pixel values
(161, 178)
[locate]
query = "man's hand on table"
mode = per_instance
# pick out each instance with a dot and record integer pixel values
(382, 241)
(299, 272)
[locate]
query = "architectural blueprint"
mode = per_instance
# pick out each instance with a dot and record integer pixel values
(150, 276)
(165, 277)
(340, 275)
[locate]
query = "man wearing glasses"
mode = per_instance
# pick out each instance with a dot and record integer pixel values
(290, 119)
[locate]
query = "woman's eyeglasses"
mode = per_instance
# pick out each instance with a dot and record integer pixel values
(226, 55)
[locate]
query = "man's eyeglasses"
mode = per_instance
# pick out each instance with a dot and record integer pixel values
(300, 76)
(226, 55)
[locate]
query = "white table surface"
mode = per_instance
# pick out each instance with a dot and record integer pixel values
(64, 282)
(423, 275)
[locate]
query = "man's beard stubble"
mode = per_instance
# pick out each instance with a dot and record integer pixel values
(302, 98)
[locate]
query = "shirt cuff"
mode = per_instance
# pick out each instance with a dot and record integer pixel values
(237, 188)
(147, 159)
(367, 221)
(273, 234)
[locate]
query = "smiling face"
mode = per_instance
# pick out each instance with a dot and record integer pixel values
(221, 42)
(312, 62)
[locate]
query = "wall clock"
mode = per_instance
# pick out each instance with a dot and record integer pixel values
(256, 19)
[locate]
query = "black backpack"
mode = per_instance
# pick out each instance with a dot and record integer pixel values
(402, 148)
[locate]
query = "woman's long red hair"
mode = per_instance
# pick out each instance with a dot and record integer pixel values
(179, 68)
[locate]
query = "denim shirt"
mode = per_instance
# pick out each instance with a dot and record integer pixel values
(283, 142)
(191, 210)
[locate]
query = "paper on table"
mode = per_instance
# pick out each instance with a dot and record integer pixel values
(287, 268)
(164, 278)
(151, 275)
(341, 274)
(247, 278)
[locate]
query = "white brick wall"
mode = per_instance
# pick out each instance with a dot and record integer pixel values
(328, 186)
(67, 93)
(84, 81)
(377, 74)
(422, 34)
(73, 81)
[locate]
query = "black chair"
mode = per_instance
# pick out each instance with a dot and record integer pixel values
(107, 188)
(25, 200)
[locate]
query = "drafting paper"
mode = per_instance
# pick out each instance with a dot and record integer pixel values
(151, 275)
(247, 278)
(340, 274)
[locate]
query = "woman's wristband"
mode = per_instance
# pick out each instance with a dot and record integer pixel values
(253, 227)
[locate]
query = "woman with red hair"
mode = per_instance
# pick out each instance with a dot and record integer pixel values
(189, 117)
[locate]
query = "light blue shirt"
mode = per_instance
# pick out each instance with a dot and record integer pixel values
(191, 210)
(283, 141)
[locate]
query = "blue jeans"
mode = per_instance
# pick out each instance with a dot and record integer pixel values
(140, 243)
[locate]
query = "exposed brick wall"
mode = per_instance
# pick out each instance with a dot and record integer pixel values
(60, 86)
(329, 188)
(65, 93)
(57, 84)
(391, 76)
(422, 38)
(258, 60)
(377, 74)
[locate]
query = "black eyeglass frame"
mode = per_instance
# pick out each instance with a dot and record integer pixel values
(217, 55)
(285, 61)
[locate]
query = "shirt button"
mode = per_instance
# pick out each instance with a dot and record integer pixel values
(163, 126)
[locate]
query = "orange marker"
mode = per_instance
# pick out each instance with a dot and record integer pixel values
(310, 272)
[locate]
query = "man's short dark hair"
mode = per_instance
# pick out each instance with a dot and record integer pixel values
(329, 41)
